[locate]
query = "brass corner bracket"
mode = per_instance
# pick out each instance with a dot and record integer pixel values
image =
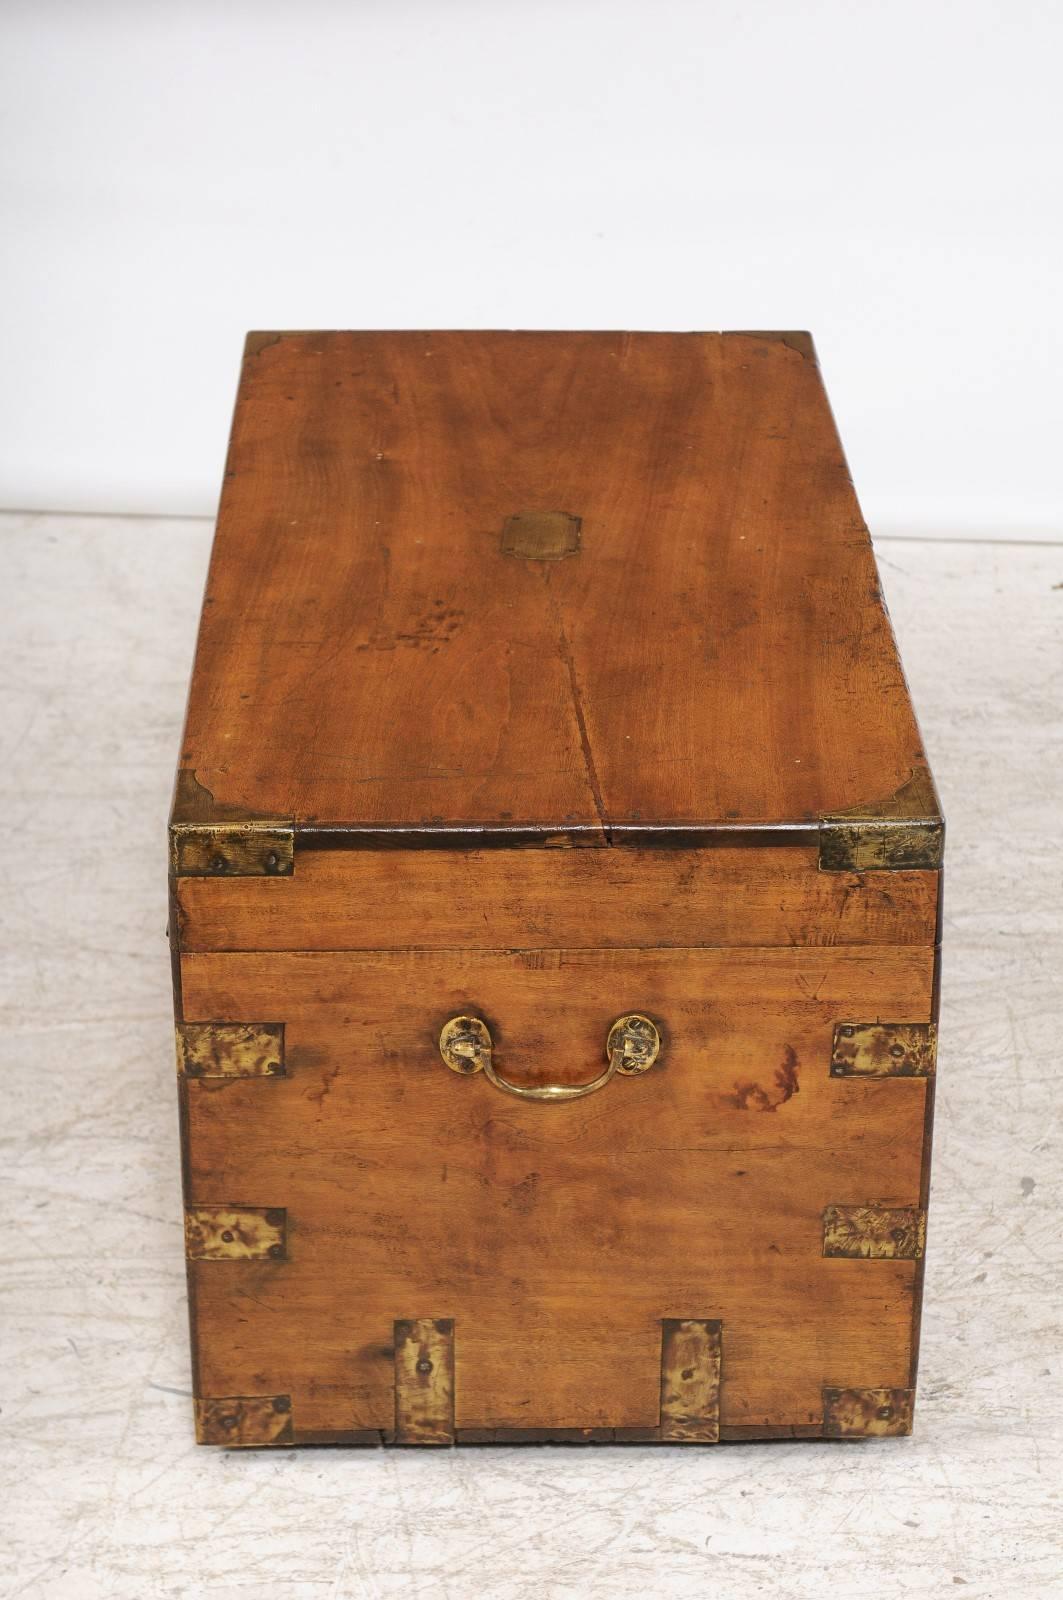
(902, 833)
(211, 840)
(880, 846)
(244, 1421)
(232, 850)
(867, 1413)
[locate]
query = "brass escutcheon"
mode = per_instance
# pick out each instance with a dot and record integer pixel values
(631, 1047)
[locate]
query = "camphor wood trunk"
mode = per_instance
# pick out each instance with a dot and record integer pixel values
(547, 734)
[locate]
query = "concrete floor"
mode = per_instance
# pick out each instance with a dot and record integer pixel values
(103, 1493)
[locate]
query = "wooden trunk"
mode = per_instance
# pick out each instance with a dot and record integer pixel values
(555, 881)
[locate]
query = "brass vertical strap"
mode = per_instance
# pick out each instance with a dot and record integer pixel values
(691, 1353)
(424, 1381)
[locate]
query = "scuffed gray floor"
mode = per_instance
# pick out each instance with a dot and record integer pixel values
(102, 1493)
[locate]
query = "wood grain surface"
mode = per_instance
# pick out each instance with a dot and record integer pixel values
(714, 653)
(548, 590)
(556, 1236)
(533, 899)
(103, 1490)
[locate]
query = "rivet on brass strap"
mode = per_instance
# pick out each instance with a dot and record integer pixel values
(424, 1381)
(241, 1421)
(874, 1233)
(232, 850)
(230, 1233)
(867, 1413)
(884, 1050)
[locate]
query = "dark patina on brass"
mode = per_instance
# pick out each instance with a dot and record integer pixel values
(691, 1351)
(231, 851)
(230, 1049)
(424, 1380)
(884, 1050)
(241, 1421)
(904, 831)
(541, 535)
(236, 1233)
(866, 1413)
(874, 1233)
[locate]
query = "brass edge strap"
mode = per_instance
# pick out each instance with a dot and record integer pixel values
(691, 1359)
(236, 1233)
(230, 1049)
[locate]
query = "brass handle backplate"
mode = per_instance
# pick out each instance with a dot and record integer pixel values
(631, 1047)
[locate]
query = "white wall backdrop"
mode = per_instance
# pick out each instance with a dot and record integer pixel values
(886, 173)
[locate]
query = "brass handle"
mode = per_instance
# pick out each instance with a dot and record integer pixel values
(631, 1047)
